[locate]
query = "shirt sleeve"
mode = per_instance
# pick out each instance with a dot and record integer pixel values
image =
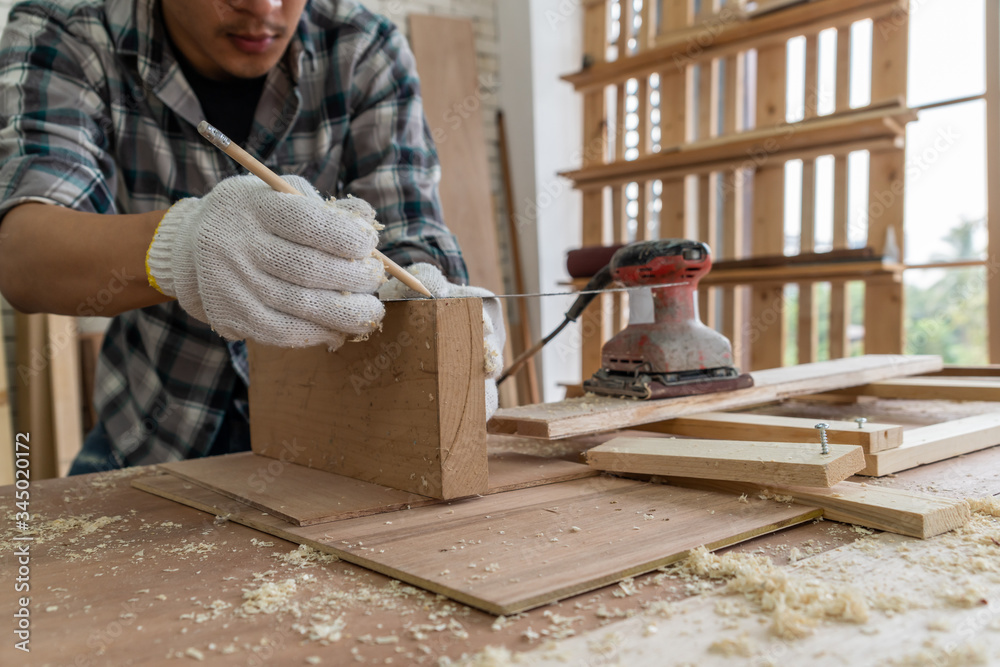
(390, 161)
(53, 123)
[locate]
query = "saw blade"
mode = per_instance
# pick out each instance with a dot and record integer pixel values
(542, 294)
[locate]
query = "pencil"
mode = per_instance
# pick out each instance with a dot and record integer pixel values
(255, 167)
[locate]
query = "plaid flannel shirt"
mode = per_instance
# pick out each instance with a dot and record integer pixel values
(97, 116)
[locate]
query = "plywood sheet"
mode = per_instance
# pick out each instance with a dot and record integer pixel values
(306, 496)
(513, 551)
(593, 414)
(445, 49)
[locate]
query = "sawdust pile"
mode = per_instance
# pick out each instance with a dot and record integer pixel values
(990, 505)
(795, 603)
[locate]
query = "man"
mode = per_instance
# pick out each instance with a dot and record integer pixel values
(103, 176)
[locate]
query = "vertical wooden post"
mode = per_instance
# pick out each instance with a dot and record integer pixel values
(993, 177)
(767, 314)
(733, 299)
(884, 297)
(839, 305)
(807, 338)
(595, 146)
(673, 132)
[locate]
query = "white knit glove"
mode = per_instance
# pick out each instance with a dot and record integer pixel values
(277, 268)
(494, 334)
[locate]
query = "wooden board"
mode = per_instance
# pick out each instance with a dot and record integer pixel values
(593, 414)
(893, 510)
(300, 495)
(931, 388)
(733, 460)
(513, 551)
(747, 426)
(936, 443)
(445, 50)
(405, 408)
(306, 496)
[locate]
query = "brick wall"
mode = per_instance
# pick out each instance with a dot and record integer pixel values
(483, 15)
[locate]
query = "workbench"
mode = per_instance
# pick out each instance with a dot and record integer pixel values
(119, 576)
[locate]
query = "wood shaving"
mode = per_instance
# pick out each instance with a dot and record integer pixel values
(742, 646)
(989, 505)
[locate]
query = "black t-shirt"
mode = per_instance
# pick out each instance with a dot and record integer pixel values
(228, 105)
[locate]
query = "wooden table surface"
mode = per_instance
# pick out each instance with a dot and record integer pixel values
(121, 577)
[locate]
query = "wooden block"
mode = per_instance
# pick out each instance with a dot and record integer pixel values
(404, 409)
(594, 414)
(539, 557)
(870, 437)
(759, 462)
(893, 510)
(928, 444)
(931, 389)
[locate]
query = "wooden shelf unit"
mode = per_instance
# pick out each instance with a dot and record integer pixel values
(683, 139)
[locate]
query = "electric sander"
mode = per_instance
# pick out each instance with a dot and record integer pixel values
(674, 355)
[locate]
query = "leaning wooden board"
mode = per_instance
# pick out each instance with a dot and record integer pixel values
(514, 551)
(593, 414)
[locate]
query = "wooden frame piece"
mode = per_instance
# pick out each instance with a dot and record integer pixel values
(871, 437)
(405, 409)
(892, 510)
(732, 460)
(594, 414)
(930, 388)
(937, 442)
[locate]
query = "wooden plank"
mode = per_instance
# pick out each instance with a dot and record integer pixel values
(884, 298)
(807, 339)
(952, 370)
(992, 21)
(298, 494)
(306, 496)
(594, 414)
(871, 437)
(893, 510)
(7, 436)
(523, 545)
(510, 471)
(839, 302)
(767, 310)
(67, 401)
(931, 389)
(937, 443)
(445, 51)
(732, 460)
(735, 36)
(410, 402)
(768, 143)
(34, 391)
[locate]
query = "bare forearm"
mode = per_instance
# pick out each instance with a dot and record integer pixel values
(56, 260)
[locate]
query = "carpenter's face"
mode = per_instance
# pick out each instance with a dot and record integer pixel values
(226, 39)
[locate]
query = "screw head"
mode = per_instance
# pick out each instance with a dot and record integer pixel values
(861, 421)
(822, 425)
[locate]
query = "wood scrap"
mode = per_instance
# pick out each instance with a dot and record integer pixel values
(937, 442)
(892, 510)
(759, 462)
(872, 437)
(593, 414)
(507, 552)
(930, 388)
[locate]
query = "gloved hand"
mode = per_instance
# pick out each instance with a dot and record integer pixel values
(277, 268)
(494, 333)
